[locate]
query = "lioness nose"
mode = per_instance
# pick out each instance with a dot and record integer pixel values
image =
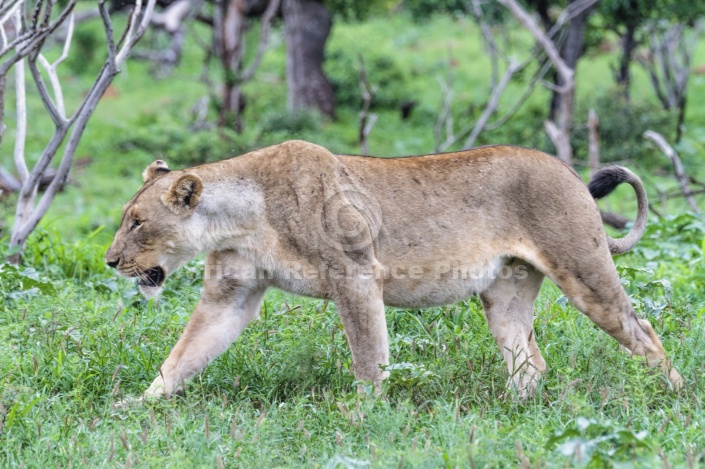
(113, 262)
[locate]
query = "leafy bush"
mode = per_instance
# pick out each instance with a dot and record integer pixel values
(525, 129)
(81, 260)
(291, 123)
(622, 126)
(383, 72)
(165, 137)
(88, 39)
(422, 10)
(594, 443)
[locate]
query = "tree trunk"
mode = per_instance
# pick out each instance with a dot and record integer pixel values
(231, 35)
(307, 24)
(571, 52)
(542, 7)
(624, 76)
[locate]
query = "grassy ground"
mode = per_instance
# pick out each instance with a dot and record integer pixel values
(77, 339)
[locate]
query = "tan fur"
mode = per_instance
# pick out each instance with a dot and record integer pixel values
(365, 232)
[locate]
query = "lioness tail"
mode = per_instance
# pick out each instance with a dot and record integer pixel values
(604, 182)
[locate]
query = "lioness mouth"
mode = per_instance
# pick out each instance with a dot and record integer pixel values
(153, 277)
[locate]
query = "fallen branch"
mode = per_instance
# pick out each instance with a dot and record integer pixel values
(614, 220)
(679, 171)
(8, 183)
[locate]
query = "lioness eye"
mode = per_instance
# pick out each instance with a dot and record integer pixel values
(135, 224)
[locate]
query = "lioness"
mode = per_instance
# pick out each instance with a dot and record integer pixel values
(363, 232)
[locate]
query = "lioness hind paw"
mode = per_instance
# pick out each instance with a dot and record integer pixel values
(676, 380)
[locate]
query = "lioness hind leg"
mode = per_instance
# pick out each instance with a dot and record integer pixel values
(361, 309)
(598, 293)
(509, 308)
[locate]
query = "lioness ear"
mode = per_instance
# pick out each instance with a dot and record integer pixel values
(184, 194)
(155, 169)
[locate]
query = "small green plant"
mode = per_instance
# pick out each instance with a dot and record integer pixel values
(592, 443)
(22, 282)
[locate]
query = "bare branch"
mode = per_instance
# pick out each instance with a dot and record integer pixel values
(172, 17)
(173, 21)
(445, 116)
(269, 14)
(679, 171)
(8, 9)
(229, 46)
(489, 40)
(110, 38)
(139, 20)
(367, 120)
(497, 88)
(559, 129)
(21, 133)
(58, 116)
(27, 214)
(538, 76)
(492, 104)
(571, 11)
(668, 62)
(31, 40)
(546, 43)
(57, 110)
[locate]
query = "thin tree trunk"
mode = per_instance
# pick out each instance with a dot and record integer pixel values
(307, 24)
(624, 76)
(231, 35)
(680, 124)
(571, 52)
(593, 142)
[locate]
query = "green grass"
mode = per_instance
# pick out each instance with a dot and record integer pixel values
(76, 339)
(283, 395)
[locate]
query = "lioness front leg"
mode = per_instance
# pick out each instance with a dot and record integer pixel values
(224, 310)
(361, 309)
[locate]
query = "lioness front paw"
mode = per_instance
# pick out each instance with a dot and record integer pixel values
(159, 389)
(155, 390)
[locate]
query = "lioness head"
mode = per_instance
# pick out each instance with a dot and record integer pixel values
(157, 229)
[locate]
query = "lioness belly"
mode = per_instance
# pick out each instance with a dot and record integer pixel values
(440, 282)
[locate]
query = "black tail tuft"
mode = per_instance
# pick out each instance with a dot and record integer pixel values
(606, 180)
